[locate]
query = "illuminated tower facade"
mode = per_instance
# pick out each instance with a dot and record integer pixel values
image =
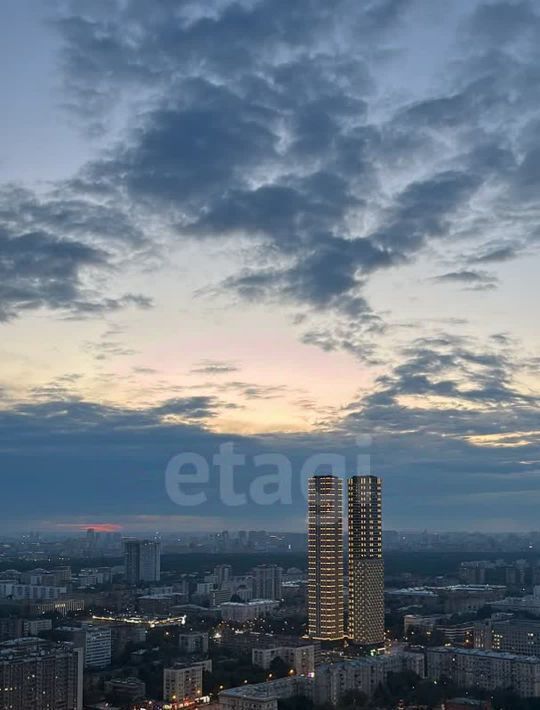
(366, 569)
(325, 558)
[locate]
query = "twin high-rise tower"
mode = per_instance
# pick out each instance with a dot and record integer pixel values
(325, 560)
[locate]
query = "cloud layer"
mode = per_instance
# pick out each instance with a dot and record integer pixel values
(321, 147)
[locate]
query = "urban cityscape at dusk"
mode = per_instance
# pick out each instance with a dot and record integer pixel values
(269, 365)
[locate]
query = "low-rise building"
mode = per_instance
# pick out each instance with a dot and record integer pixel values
(193, 642)
(11, 629)
(485, 669)
(520, 636)
(183, 683)
(455, 633)
(126, 689)
(263, 696)
(450, 599)
(466, 704)
(247, 611)
(529, 604)
(299, 658)
(31, 592)
(333, 680)
(34, 627)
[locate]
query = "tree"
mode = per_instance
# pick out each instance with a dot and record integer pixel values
(429, 693)
(299, 702)
(278, 668)
(353, 700)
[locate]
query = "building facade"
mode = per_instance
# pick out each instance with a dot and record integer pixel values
(333, 680)
(193, 642)
(325, 558)
(267, 582)
(521, 636)
(485, 669)
(366, 570)
(183, 684)
(241, 612)
(95, 642)
(142, 561)
(37, 675)
(263, 696)
(299, 658)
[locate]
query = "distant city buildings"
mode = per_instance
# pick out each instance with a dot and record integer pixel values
(448, 599)
(366, 569)
(518, 575)
(142, 561)
(325, 558)
(530, 604)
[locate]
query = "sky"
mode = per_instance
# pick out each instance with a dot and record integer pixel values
(292, 228)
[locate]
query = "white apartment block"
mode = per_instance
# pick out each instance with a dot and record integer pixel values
(183, 684)
(262, 696)
(333, 680)
(32, 592)
(485, 669)
(97, 648)
(247, 611)
(521, 636)
(300, 659)
(95, 641)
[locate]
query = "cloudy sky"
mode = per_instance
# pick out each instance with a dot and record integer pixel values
(281, 224)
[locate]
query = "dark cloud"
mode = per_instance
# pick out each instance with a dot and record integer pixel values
(37, 270)
(215, 367)
(53, 253)
(501, 23)
(200, 407)
(264, 124)
(454, 423)
(495, 255)
(476, 280)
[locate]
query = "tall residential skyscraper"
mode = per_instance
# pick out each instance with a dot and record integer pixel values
(142, 561)
(366, 570)
(325, 558)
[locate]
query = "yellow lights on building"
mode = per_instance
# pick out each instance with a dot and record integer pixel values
(325, 558)
(366, 568)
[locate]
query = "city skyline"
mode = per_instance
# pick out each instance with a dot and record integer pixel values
(284, 227)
